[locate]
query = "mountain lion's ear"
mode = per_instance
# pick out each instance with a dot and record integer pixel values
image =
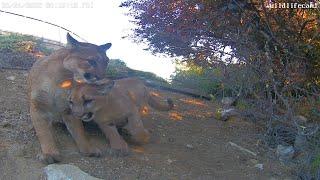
(104, 86)
(72, 42)
(105, 47)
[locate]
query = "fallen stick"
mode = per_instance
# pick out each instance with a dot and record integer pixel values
(242, 149)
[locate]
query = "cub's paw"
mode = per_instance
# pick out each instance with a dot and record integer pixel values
(91, 151)
(50, 158)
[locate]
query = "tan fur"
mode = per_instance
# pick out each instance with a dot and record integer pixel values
(49, 101)
(118, 107)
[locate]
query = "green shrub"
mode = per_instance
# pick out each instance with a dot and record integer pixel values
(12, 41)
(219, 81)
(23, 43)
(199, 79)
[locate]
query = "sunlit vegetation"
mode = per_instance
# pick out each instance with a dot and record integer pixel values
(23, 43)
(16, 42)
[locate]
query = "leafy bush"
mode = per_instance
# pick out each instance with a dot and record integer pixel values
(218, 81)
(16, 42)
(203, 80)
(23, 43)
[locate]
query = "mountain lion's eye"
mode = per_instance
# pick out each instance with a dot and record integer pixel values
(87, 102)
(93, 63)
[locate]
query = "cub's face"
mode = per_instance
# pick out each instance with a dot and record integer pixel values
(87, 62)
(82, 102)
(86, 100)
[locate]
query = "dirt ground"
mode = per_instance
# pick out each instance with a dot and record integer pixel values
(187, 143)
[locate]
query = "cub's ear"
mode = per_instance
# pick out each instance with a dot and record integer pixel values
(105, 86)
(105, 47)
(72, 42)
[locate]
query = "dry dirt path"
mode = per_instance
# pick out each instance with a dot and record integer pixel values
(187, 143)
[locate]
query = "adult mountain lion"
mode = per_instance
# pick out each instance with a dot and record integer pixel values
(49, 83)
(116, 104)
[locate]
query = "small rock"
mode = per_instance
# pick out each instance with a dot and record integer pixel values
(259, 166)
(189, 146)
(285, 153)
(11, 78)
(65, 171)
